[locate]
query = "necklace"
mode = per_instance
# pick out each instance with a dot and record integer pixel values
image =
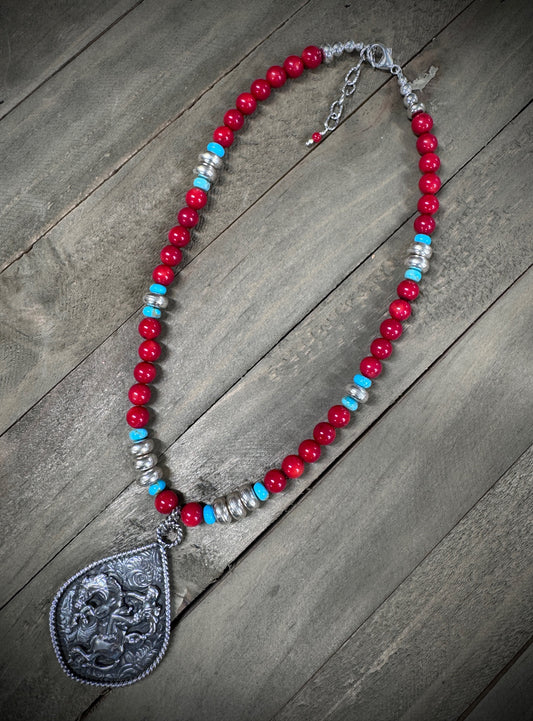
(110, 622)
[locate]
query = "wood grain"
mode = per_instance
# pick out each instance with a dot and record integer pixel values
(75, 277)
(32, 50)
(324, 569)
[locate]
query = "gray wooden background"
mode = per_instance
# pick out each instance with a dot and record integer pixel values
(393, 580)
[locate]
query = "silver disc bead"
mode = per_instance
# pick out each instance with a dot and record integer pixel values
(156, 301)
(422, 249)
(415, 109)
(144, 463)
(142, 447)
(221, 511)
(206, 171)
(235, 505)
(360, 394)
(417, 262)
(150, 476)
(248, 497)
(209, 158)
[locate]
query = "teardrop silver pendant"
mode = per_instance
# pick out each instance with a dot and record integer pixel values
(110, 623)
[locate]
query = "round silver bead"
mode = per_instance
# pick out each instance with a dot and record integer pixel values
(405, 89)
(417, 262)
(142, 447)
(235, 506)
(337, 49)
(155, 300)
(221, 511)
(327, 53)
(415, 109)
(206, 171)
(360, 394)
(249, 499)
(411, 99)
(150, 476)
(209, 158)
(421, 249)
(144, 463)
(349, 46)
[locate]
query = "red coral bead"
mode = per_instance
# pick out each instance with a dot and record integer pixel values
(309, 450)
(149, 328)
(312, 56)
(292, 466)
(149, 350)
(381, 348)
(293, 66)
(179, 236)
(421, 123)
(426, 143)
(166, 501)
(144, 372)
(260, 89)
(275, 481)
(163, 274)
(391, 329)
(408, 289)
(316, 137)
(171, 255)
(276, 76)
(192, 514)
(234, 119)
(246, 103)
(137, 417)
(139, 394)
(428, 204)
(339, 416)
(224, 136)
(196, 198)
(424, 224)
(370, 367)
(400, 309)
(429, 183)
(188, 217)
(324, 433)
(429, 163)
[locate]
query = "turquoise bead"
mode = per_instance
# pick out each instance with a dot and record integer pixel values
(202, 183)
(209, 515)
(350, 403)
(150, 312)
(217, 149)
(413, 274)
(260, 491)
(138, 434)
(154, 489)
(362, 380)
(158, 288)
(423, 238)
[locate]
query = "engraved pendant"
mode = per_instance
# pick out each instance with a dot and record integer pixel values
(110, 623)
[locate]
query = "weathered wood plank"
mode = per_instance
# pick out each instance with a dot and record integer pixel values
(71, 275)
(460, 616)
(511, 698)
(282, 611)
(456, 445)
(64, 457)
(36, 44)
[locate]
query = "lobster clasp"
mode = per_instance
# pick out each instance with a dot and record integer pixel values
(379, 56)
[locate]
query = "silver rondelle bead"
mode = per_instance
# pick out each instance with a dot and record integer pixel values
(337, 49)
(144, 463)
(221, 511)
(209, 158)
(360, 394)
(206, 171)
(142, 447)
(417, 262)
(327, 53)
(150, 476)
(411, 99)
(415, 109)
(350, 46)
(235, 506)
(156, 301)
(405, 89)
(421, 249)
(248, 497)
